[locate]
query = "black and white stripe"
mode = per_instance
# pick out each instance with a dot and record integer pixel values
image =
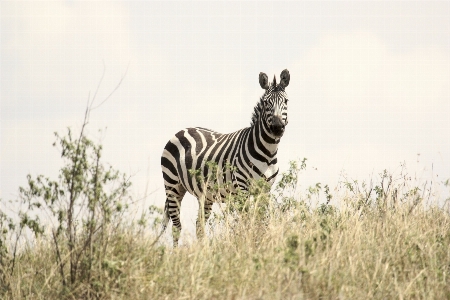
(251, 152)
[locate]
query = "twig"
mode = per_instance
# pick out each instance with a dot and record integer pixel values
(15, 250)
(58, 256)
(115, 89)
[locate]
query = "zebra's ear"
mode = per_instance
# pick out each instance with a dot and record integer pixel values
(285, 77)
(263, 80)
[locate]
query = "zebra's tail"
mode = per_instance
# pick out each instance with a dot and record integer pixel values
(166, 217)
(165, 221)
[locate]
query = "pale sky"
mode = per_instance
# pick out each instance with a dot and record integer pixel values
(369, 88)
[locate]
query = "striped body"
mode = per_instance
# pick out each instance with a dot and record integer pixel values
(241, 156)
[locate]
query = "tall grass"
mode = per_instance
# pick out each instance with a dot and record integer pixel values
(377, 241)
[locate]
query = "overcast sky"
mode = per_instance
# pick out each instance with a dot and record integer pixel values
(369, 89)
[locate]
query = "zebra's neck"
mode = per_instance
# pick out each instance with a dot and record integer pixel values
(256, 155)
(268, 140)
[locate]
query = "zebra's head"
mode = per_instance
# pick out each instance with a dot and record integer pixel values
(274, 103)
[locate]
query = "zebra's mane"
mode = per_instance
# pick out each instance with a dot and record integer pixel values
(259, 106)
(257, 111)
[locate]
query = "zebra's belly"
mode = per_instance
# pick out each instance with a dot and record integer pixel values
(213, 188)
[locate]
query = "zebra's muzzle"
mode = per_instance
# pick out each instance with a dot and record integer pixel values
(277, 127)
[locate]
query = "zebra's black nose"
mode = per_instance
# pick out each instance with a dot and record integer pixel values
(277, 127)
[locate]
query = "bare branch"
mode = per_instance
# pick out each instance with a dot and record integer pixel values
(58, 256)
(115, 89)
(98, 86)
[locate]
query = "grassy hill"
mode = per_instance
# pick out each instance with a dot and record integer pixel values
(384, 247)
(384, 240)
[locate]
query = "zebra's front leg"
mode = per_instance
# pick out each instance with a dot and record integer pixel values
(204, 211)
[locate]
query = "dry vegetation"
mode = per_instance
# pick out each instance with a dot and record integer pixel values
(381, 242)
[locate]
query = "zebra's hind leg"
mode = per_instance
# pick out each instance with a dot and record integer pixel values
(204, 211)
(174, 196)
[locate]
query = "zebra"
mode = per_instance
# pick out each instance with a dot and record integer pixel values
(249, 153)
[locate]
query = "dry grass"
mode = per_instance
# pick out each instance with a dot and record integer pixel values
(303, 253)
